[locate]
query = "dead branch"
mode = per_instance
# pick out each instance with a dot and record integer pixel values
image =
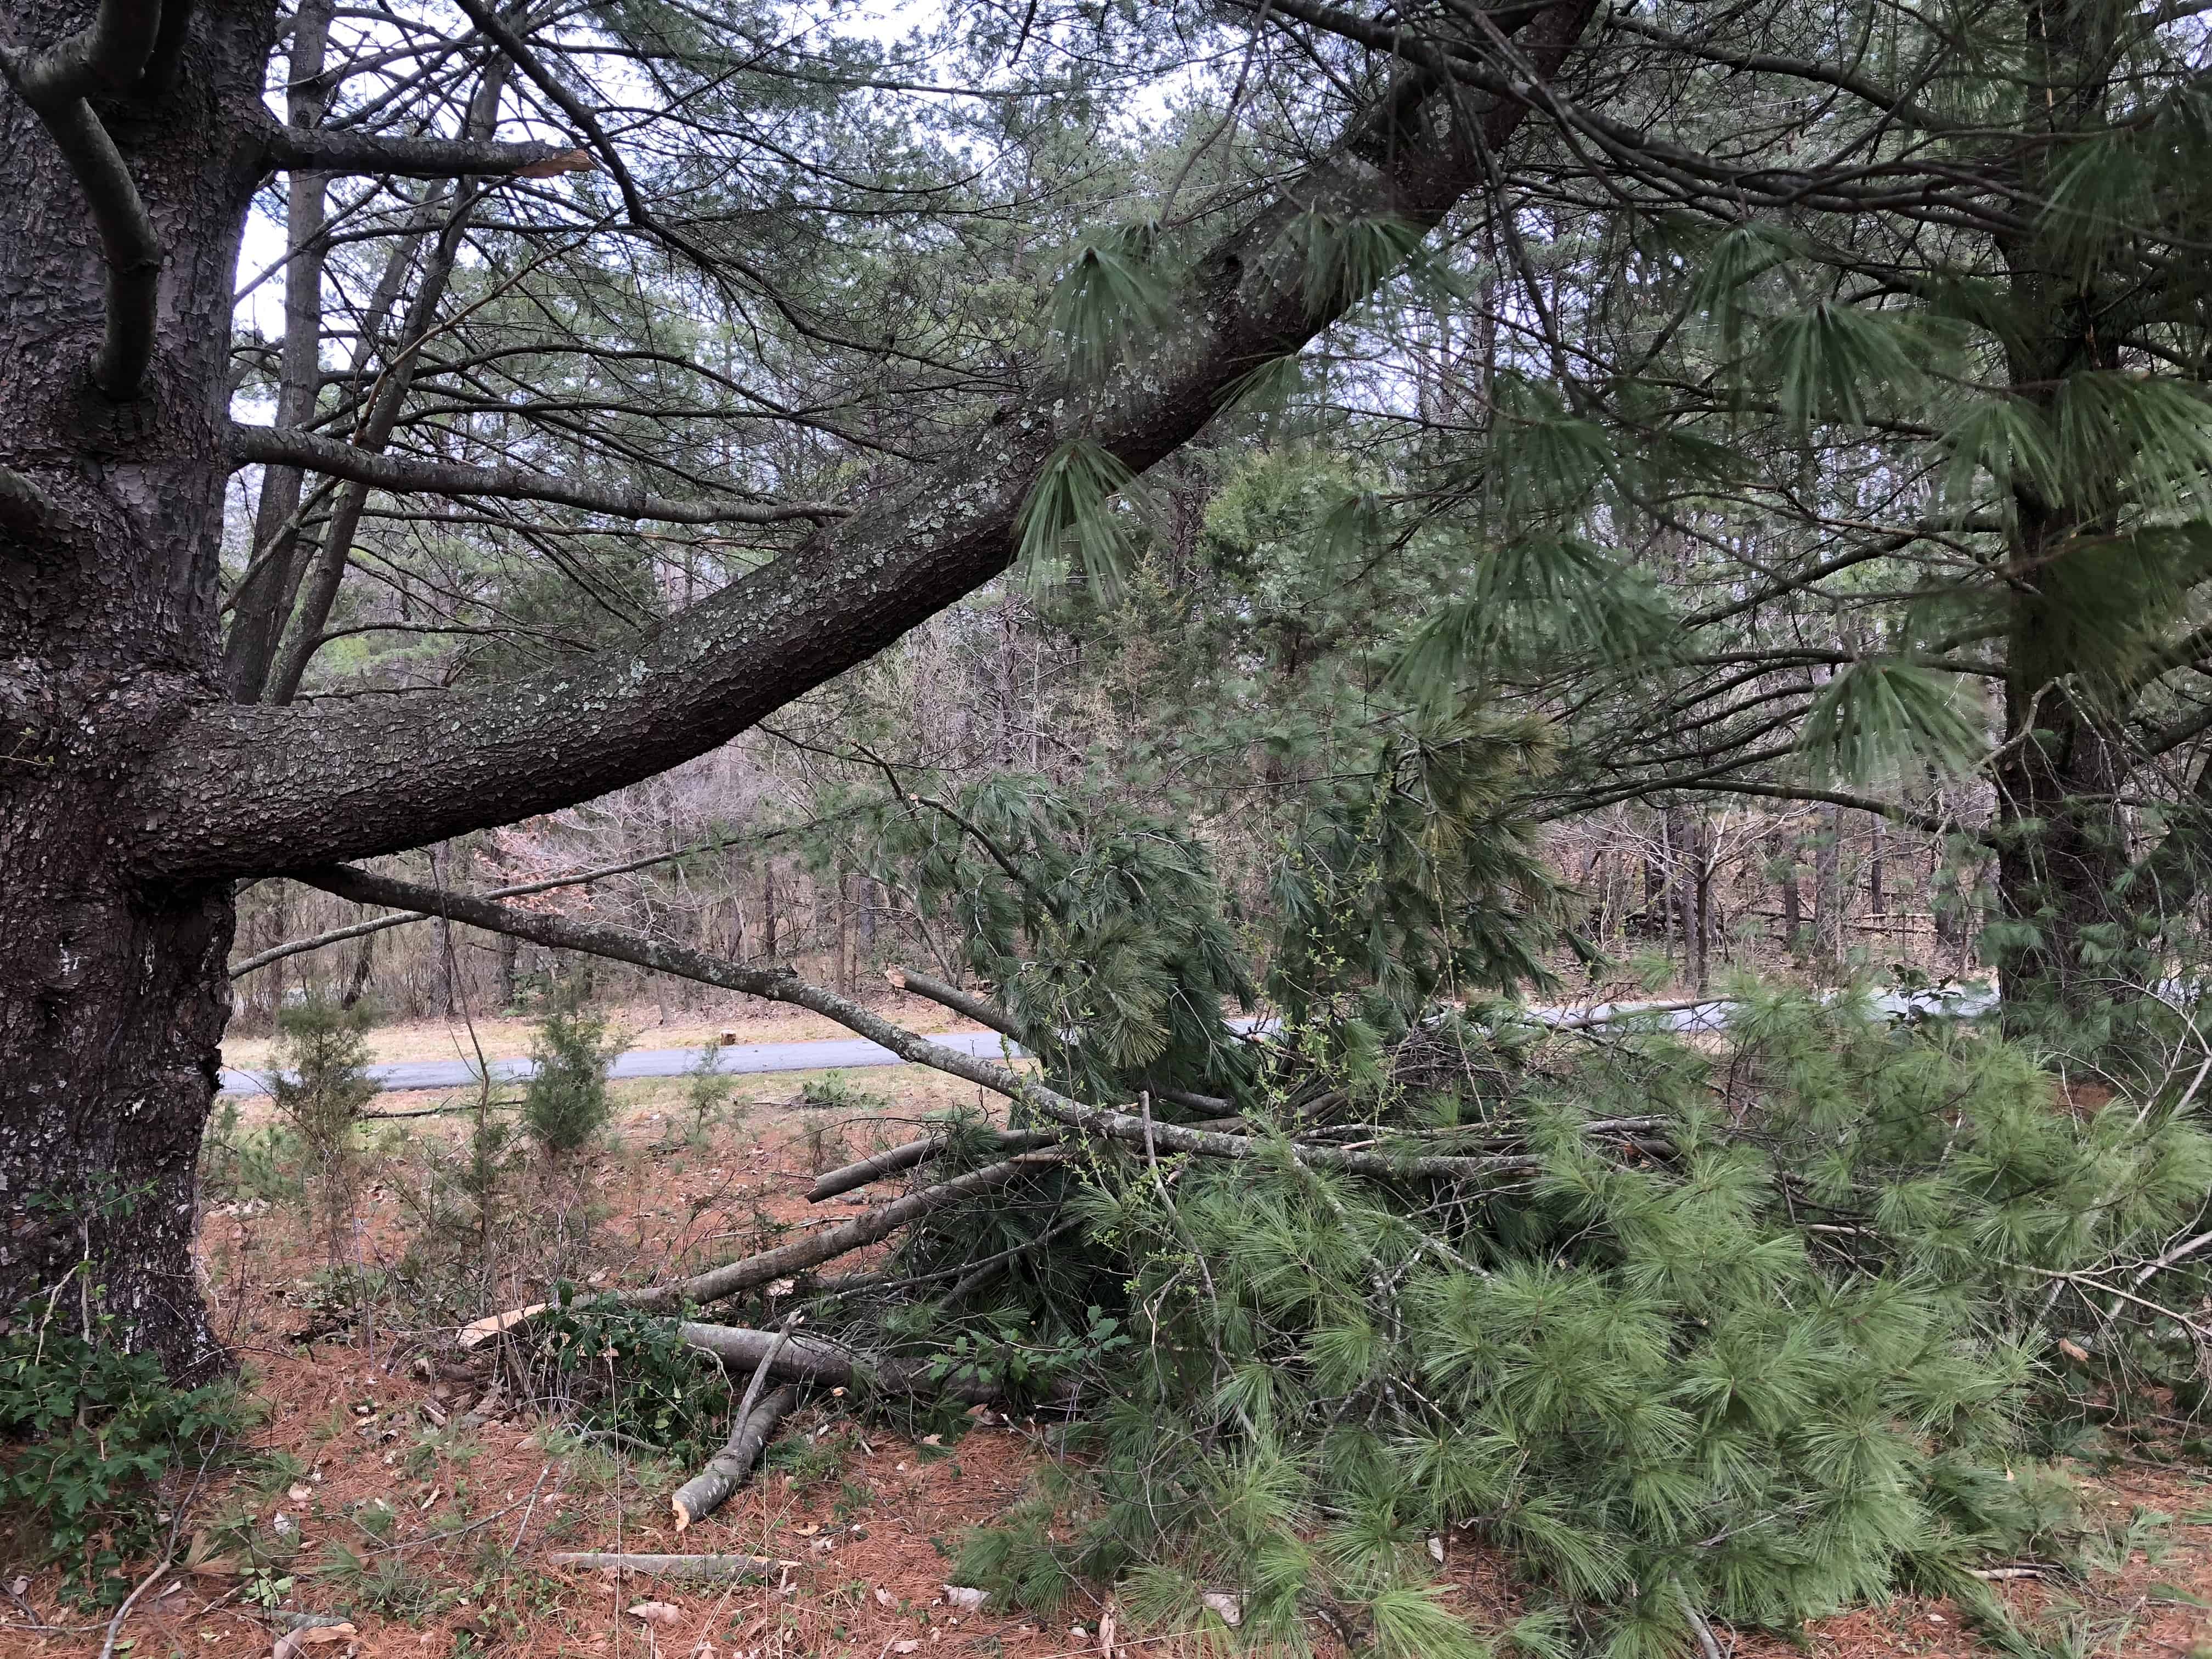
(810, 1359)
(915, 1151)
(668, 1566)
(708, 1490)
(563, 933)
(734, 1277)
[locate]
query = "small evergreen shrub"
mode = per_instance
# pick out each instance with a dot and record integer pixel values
(707, 1091)
(566, 1107)
(322, 1085)
(241, 1165)
(833, 1091)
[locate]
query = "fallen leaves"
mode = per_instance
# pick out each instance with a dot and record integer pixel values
(658, 1612)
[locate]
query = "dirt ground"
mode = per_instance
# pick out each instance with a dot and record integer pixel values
(447, 1519)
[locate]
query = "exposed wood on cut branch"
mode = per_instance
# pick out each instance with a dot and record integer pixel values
(981, 1010)
(788, 1260)
(668, 1566)
(712, 1487)
(914, 1152)
(399, 474)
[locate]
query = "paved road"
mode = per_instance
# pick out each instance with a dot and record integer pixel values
(836, 1053)
(841, 1052)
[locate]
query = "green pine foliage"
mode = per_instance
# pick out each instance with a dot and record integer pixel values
(1781, 1339)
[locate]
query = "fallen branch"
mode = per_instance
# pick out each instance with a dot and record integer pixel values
(668, 1566)
(982, 1011)
(708, 1490)
(735, 1278)
(915, 1151)
(620, 944)
(805, 1359)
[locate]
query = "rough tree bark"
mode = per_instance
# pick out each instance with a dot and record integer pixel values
(134, 794)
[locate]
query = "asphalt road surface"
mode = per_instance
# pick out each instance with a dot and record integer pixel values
(838, 1053)
(835, 1054)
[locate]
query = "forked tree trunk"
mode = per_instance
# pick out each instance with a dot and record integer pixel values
(113, 986)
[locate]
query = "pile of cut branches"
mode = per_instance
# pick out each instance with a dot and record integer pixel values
(1742, 1329)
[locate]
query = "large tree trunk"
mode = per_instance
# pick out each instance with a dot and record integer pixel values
(2062, 845)
(113, 987)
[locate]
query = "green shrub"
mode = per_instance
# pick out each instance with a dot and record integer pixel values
(707, 1091)
(98, 1433)
(321, 1085)
(834, 1091)
(630, 1374)
(237, 1162)
(565, 1106)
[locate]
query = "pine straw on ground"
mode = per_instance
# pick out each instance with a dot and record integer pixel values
(866, 1525)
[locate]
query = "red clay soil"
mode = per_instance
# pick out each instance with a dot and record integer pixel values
(868, 1543)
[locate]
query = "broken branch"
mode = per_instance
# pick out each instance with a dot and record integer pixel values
(668, 1566)
(708, 1490)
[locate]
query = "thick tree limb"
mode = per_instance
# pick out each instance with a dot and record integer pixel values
(560, 933)
(247, 790)
(291, 447)
(333, 151)
(708, 1490)
(128, 244)
(106, 55)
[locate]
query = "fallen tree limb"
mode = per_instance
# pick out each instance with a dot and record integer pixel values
(810, 1359)
(619, 944)
(708, 1490)
(670, 1567)
(981, 1010)
(786, 1260)
(915, 1151)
